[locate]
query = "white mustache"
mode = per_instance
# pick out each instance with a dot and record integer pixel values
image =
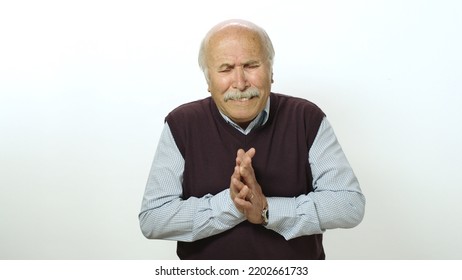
(236, 95)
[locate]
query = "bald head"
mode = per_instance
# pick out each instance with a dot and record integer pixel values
(236, 28)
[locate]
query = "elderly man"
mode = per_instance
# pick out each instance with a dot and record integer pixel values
(247, 173)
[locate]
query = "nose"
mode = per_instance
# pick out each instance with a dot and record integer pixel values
(240, 79)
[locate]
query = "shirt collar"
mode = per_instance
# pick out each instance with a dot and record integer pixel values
(260, 120)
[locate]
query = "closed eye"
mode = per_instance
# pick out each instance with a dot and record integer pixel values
(225, 70)
(252, 65)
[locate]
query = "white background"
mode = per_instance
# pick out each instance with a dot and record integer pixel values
(85, 86)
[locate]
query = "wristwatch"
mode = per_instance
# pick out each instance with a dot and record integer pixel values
(265, 216)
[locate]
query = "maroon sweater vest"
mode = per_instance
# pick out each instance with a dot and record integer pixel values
(209, 145)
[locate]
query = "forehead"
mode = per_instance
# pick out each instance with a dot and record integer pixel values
(234, 42)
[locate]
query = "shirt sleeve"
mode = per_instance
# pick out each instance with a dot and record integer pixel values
(165, 215)
(336, 202)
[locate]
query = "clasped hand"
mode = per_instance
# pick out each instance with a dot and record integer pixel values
(245, 191)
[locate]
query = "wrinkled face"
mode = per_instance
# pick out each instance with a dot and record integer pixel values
(239, 73)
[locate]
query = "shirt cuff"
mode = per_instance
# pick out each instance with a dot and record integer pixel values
(281, 212)
(290, 216)
(225, 210)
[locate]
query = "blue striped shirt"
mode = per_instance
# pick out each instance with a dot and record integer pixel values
(336, 202)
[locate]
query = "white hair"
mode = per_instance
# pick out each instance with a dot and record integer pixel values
(266, 41)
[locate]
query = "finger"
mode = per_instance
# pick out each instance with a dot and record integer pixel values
(236, 186)
(251, 212)
(240, 199)
(247, 174)
(251, 152)
(246, 159)
(236, 173)
(240, 156)
(244, 192)
(246, 165)
(242, 204)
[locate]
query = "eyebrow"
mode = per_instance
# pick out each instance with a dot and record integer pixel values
(228, 65)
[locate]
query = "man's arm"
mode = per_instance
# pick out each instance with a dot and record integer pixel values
(165, 215)
(336, 202)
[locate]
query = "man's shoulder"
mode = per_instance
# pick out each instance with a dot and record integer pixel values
(193, 109)
(294, 103)
(192, 115)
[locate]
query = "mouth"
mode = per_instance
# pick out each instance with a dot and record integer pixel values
(242, 99)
